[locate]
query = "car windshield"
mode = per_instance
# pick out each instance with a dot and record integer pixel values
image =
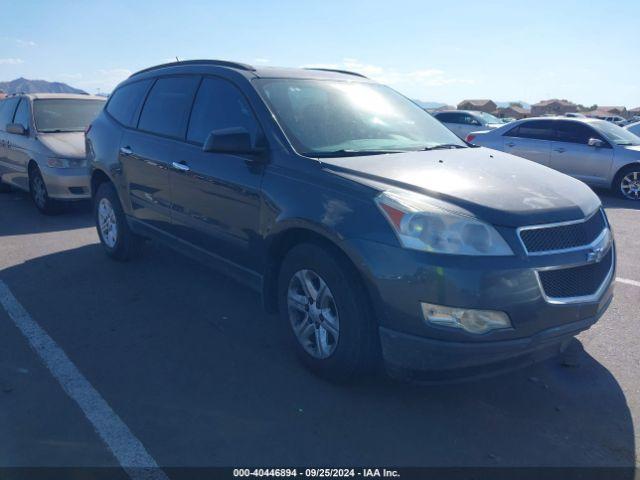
(615, 134)
(65, 114)
(336, 118)
(488, 118)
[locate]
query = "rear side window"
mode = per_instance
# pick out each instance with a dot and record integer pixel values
(535, 129)
(166, 111)
(8, 109)
(445, 117)
(218, 105)
(575, 132)
(22, 114)
(125, 101)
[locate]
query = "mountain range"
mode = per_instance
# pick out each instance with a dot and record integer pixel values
(23, 85)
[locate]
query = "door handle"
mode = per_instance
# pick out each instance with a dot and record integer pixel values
(559, 150)
(511, 144)
(181, 166)
(126, 151)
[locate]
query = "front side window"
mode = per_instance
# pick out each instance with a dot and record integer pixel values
(166, 111)
(218, 105)
(126, 100)
(340, 118)
(468, 119)
(8, 109)
(575, 132)
(535, 129)
(22, 115)
(65, 114)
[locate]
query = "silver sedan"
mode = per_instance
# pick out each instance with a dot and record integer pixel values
(597, 152)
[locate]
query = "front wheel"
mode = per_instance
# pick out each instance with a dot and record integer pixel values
(39, 193)
(627, 182)
(117, 239)
(328, 313)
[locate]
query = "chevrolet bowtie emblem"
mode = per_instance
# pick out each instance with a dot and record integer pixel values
(595, 255)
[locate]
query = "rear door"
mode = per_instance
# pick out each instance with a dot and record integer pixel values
(571, 153)
(7, 110)
(216, 196)
(147, 152)
(530, 140)
(18, 152)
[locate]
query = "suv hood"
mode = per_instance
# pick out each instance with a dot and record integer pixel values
(496, 187)
(64, 144)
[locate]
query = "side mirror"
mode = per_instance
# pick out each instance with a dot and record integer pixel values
(16, 128)
(596, 142)
(230, 140)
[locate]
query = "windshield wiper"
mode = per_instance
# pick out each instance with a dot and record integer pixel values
(350, 153)
(444, 145)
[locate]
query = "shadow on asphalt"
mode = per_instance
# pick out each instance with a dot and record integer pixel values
(203, 377)
(18, 215)
(611, 201)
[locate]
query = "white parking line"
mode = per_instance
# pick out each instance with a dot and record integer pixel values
(127, 449)
(628, 282)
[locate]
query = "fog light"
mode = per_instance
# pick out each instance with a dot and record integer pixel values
(472, 321)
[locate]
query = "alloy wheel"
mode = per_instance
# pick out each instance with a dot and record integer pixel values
(630, 185)
(39, 191)
(107, 223)
(313, 314)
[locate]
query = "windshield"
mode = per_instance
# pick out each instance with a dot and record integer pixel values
(65, 114)
(341, 118)
(615, 134)
(488, 118)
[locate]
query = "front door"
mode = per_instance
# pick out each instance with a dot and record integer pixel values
(571, 153)
(18, 152)
(216, 196)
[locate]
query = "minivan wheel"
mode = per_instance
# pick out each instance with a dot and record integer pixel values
(39, 194)
(327, 312)
(627, 182)
(117, 239)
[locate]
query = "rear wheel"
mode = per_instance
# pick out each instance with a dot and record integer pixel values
(39, 193)
(328, 313)
(627, 182)
(117, 239)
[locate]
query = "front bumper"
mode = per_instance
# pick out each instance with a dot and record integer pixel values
(67, 183)
(399, 280)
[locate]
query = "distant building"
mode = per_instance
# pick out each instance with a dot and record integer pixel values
(514, 110)
(440, 109)
(482, 105)
(553, 107)
(609, 111)
(634, 112)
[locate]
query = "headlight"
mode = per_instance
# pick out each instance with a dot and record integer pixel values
(56, 162)
(472, 321)
(426, 224)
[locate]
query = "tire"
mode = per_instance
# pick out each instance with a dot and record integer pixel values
(626, 174)
(4, 188)
(117, 239)
(39, 194)
(354, 351)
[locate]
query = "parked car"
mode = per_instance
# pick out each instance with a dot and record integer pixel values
(575, 115)
(633, 128)
(463, 122)
(597, 152)
(615, 119)
(370, 227)
(42, 146)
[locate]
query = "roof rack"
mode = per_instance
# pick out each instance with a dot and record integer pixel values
(219, 63)
(336, 70)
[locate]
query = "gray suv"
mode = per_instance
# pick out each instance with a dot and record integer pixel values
(42, 146)
(370, 228)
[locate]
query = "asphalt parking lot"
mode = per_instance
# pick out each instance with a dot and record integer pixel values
(201, 376)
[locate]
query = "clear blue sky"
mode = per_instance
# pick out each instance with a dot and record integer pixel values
(431, 50)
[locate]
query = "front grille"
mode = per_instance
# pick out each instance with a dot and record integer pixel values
(579, 281)
(561, 237)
